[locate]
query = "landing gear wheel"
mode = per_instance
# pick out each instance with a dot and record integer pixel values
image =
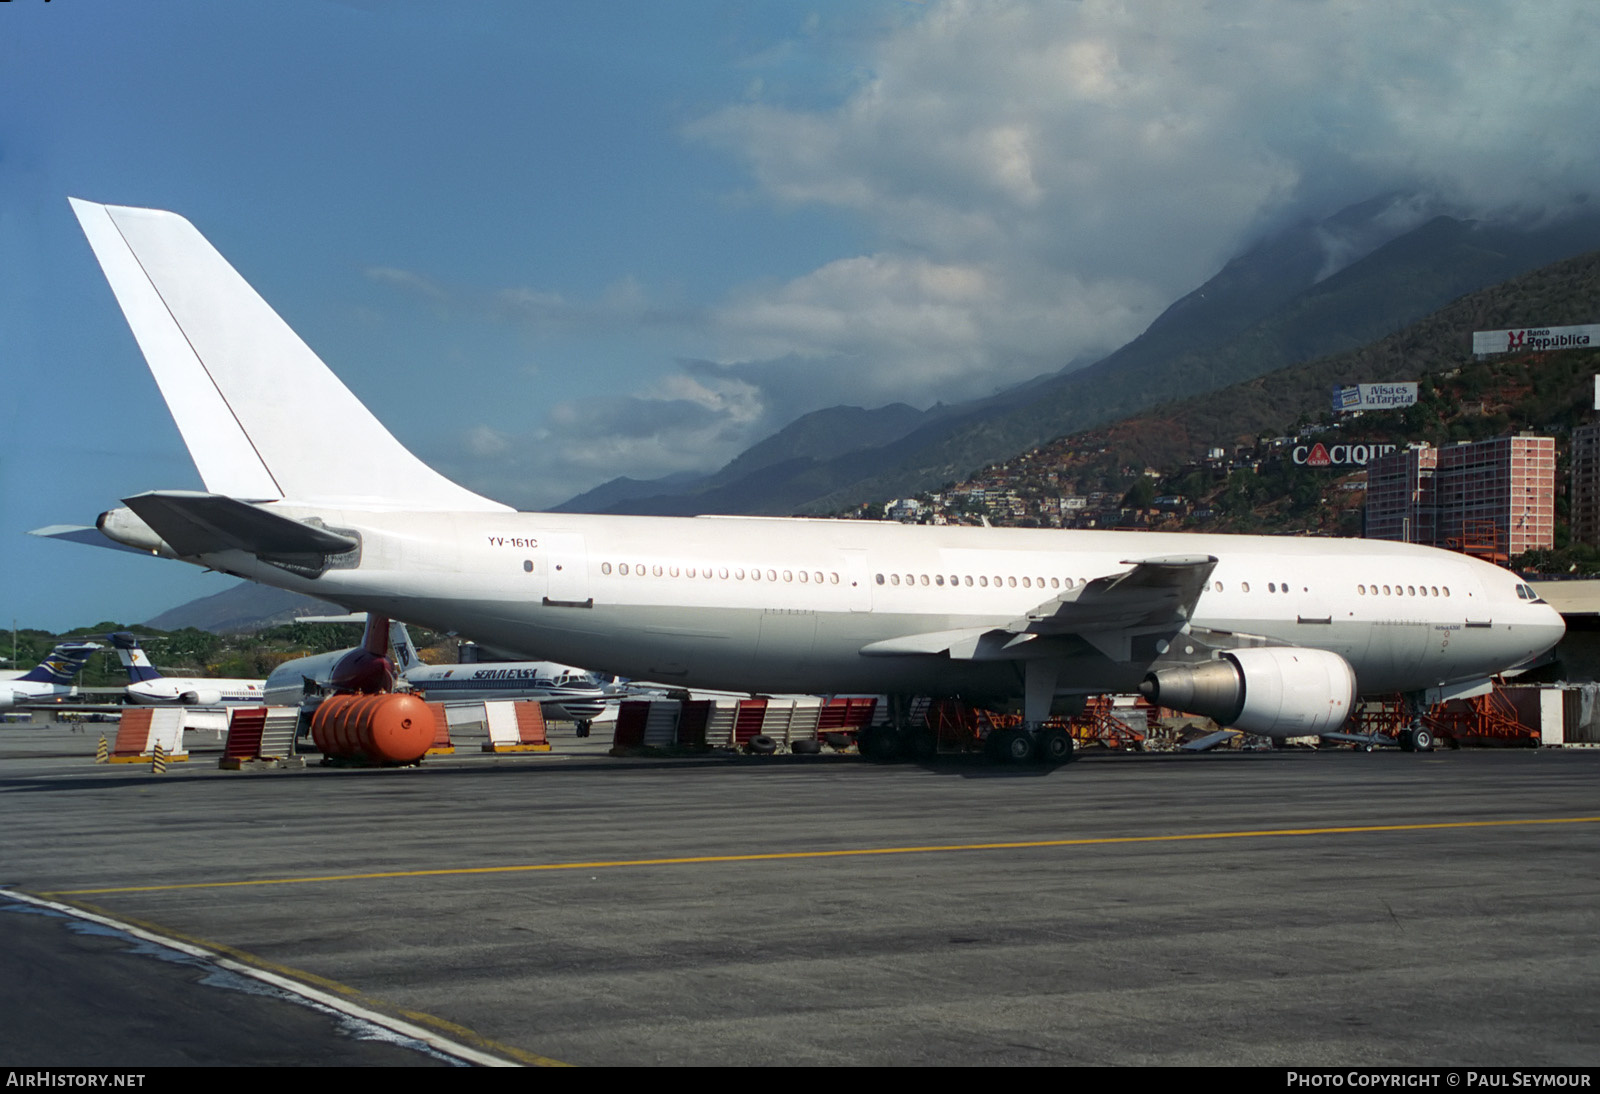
(1422, 740)
(1054, 746)
(1010, 746)
(805, 746)
(583, 727)
(879, 743)
(922, 744)
(1407, 739)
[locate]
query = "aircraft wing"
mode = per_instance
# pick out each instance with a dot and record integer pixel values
(1157, 595)
(70, 707)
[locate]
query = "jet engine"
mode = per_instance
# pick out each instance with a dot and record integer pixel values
(8, 698)
(1275, 690)
(207, 698)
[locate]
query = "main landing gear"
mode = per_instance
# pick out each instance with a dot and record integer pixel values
(911, 733)
(1416, 737)
(881, 743)
(1048, 745)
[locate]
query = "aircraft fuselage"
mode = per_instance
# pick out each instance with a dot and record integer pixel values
(788, 605)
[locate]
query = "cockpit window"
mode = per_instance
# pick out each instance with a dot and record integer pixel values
(1526, 592)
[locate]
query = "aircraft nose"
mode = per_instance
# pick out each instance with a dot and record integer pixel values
(1553, 628)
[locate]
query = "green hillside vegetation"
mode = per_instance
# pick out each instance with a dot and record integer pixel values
(1547, 393)
(1563, 294)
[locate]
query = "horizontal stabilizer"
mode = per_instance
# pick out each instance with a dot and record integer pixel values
(196, 524)
(86, 535)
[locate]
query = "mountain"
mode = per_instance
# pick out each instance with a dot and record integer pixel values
(623, 490)
(243, 608)
(1306, 292)
(770, 473)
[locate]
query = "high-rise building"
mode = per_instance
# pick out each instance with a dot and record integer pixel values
(1494, 497)
(1584, 493)
(1400, 495)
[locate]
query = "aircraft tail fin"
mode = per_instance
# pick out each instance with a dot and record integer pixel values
(62, 664)
(263, 418)
(134, 660)
(405, 653)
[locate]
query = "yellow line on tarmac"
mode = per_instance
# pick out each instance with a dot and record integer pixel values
(332, 987)
(849, 852)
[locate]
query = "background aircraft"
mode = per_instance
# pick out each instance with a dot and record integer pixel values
(567, 693)
(52, 679)
(147, 686)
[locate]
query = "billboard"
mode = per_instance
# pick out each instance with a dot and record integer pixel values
(1373, 396)
(1339, 455)
(1529, 339)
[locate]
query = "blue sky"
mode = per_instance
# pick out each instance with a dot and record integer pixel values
(551, 243)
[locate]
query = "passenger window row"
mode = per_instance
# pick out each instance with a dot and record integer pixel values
(985, 581)
(1403, 590)
(722, 573)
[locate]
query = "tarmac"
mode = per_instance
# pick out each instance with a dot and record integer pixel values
(1290, 908)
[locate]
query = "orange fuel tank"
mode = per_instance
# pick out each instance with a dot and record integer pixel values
(382, 729)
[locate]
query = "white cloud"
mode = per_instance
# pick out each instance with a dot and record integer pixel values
(407, 279)
(486, 442)
(888, 327)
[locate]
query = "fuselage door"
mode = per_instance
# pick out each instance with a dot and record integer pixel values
(567, 569)
(858, 585)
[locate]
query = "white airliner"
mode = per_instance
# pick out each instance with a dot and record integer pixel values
(146, 685)
(307, 491)
(566, 693)
(52, 679)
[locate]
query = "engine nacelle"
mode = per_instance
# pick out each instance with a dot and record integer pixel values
(8, 698)
(1279, 691)
(206, 698)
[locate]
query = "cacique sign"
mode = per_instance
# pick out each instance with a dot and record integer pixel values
(1338, 455)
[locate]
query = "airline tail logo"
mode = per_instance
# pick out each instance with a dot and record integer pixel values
(63, 663)
(133, 658)
(405, 654)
